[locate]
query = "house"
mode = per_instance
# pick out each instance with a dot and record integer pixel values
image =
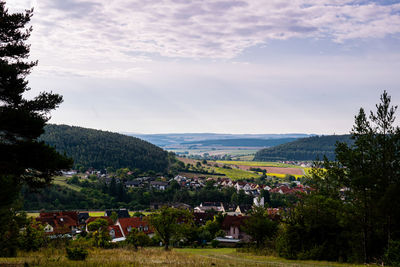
(159, 185)
(133, 184)
(227, 241)
(243, 209)
(231, 225)
(229, 207)
(158, 205)
(127, 224)
(59, 223)
(258, 201)
(210, 206)
(122, 213)
(115, 233)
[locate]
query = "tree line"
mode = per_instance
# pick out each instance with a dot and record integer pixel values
(307, 149)
(101, 149)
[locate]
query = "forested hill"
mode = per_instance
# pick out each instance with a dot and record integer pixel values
(309, 148)
(101, 149)
(242, 142)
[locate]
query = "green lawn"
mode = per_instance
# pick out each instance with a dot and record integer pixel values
(236, 174)
(247, 259)
(258, 164)
(61, 180)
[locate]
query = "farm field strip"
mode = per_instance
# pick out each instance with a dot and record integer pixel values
(236, 174)
(61, 180)
(258, 164)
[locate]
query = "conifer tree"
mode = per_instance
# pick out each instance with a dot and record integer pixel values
(23, 159)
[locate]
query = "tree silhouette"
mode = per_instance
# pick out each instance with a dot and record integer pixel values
(23, 159)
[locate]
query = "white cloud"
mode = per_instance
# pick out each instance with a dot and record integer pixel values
(125, 30)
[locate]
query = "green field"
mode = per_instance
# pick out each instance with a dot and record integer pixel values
(158, 257)
(236, 174)
(281, 176)
(61, 180)
(258, 164)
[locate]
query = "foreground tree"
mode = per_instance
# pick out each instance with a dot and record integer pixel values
(372, 177)
(354, 212)
(23, 160)
(259, 226)
(170, 224)
(137, 239)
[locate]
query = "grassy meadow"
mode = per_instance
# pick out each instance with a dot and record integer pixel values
(257, 164)
(158, 257)
(62, 180)
(236, 174)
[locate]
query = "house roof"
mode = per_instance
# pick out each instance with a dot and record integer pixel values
(211, 204)
(134, 222)
(60, 221)
(134, 182)
(72, 214)
(244, 208)
(117, 231)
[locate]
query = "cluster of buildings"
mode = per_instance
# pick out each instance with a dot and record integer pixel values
(61, 224)
(67, 224)
(248, 187)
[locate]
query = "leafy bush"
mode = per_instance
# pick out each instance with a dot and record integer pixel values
(392, 253)
(214, 243)
(77, 253)
(32, 237)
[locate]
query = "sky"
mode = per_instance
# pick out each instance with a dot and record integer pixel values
(221, 66)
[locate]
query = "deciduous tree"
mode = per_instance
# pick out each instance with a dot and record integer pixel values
(170, 223)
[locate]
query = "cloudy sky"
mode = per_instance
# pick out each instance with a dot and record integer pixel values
(225, 66)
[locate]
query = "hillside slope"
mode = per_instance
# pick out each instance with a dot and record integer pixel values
(243, 142)
(101, 149)
(309, 148)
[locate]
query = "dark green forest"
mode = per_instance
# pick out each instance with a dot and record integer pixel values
(101, 149)
(309, 148)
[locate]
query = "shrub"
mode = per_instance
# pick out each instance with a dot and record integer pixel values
(77, 254)
(214, 243)
(392, 253)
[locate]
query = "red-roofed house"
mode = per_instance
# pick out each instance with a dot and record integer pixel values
(126, 225)
(115, 232)
(59, 222)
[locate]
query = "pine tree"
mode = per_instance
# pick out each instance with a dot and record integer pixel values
(23, 159)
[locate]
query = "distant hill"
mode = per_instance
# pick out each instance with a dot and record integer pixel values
(180, 138)
(309, 148)
(101, 149)
(243, 142)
